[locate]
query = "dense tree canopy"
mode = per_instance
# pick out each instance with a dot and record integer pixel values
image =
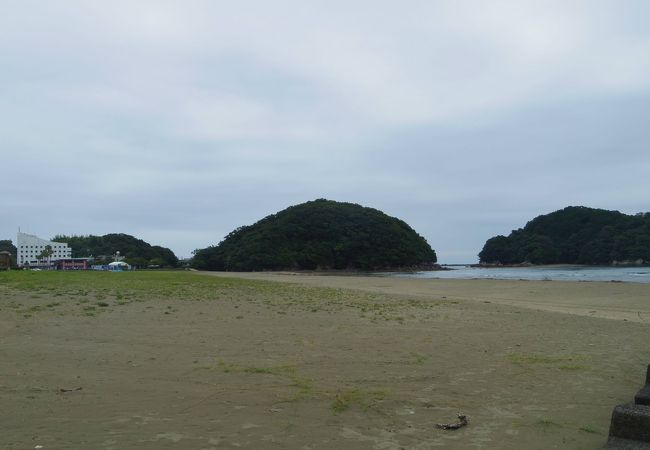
(8, 246)
(574, 235)
(135, 251)
(320, 234)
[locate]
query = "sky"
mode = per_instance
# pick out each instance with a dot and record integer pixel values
(178, 121)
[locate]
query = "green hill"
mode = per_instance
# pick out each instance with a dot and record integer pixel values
(574, 235)
(320, 234)
(135, 251)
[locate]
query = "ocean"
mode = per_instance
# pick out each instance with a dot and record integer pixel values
(560, 273)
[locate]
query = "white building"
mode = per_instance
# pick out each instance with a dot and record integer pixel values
(30, 247)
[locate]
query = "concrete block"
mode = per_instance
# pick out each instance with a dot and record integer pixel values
(631, 422)
(643, 396)
(625, 444)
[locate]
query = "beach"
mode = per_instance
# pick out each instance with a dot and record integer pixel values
(612, 300)
(302, 361)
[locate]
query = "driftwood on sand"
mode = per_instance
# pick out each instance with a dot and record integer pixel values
(462, 421)
(63, 390)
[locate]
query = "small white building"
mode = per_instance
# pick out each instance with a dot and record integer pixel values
(30, 247)
(118, 266)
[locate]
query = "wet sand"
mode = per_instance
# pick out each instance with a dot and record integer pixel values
(324, 362)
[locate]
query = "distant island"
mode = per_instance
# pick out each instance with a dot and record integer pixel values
(574, 235)
(136, 252)
(320, 235)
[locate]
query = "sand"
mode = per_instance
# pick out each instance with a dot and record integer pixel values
(611, 300)
(324, 362)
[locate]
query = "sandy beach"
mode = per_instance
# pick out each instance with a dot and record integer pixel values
(295, 361)
(611, 300)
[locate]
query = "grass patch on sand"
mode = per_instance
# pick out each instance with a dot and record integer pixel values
(342, 399)
(548, 425)
(570, 362)
(114, 290)
(364, 398)
(288, 372)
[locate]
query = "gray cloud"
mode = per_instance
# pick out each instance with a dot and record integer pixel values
(179, 121)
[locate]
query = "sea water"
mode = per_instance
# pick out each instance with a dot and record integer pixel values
(560, 273)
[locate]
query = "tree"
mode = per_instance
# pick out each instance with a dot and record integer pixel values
(46, 253)
(8, 246)
(496, 250)
(320, 234)
(130, 248)
(137, 261)
(574, 235)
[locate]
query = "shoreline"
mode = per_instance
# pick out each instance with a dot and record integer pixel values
(625, 301)
(542, 266)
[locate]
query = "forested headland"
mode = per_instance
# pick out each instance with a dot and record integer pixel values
(135, 251)
(320, 234)
(574, 235)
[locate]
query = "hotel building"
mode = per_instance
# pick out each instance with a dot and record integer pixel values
(30, 247)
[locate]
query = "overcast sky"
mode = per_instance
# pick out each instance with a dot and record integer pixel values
(178, 121)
